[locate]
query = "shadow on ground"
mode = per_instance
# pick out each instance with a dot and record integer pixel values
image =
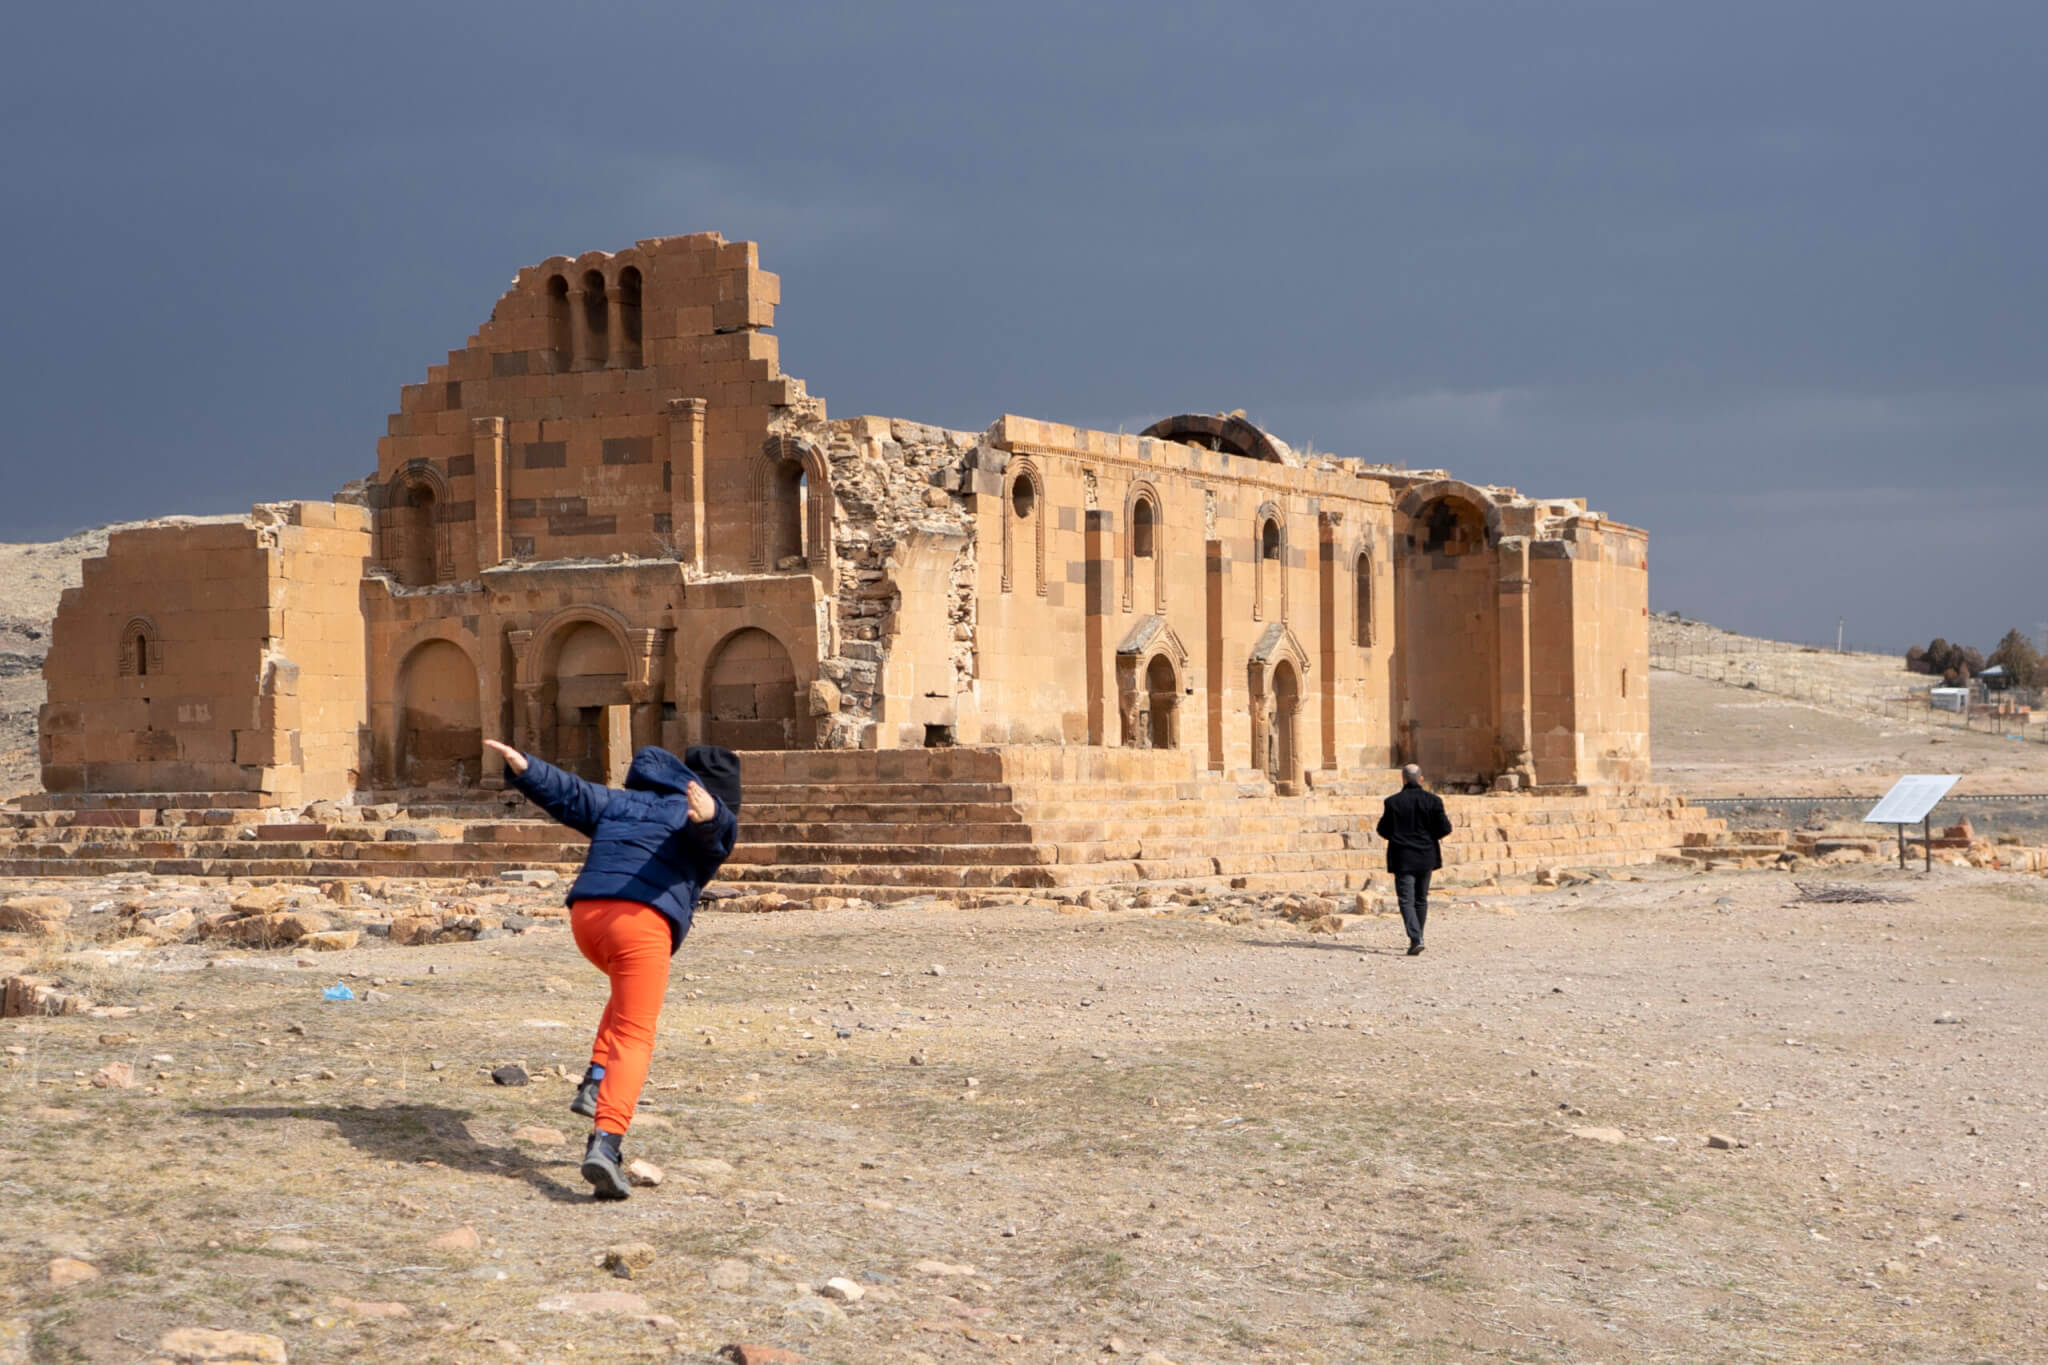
(416, 1133)
(1327, 946)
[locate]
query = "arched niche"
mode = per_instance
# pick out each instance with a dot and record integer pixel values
(750, 695)
(412, 527)
(1024, 514)
(440, 724)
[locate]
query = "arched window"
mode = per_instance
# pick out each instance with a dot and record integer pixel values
(1269, 549)
(786, 497)
(560, 340)
(1144, 550)
(596, 325)
(139, 654)
(415, 559)
(1361, 586)
(629, 317)
(1024, 517)
(140, 645)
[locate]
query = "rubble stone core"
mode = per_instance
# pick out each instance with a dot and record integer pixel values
(611, 520)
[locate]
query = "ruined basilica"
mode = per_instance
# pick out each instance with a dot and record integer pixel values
(611, 520)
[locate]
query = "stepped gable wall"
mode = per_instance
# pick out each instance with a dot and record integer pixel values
(213, 655)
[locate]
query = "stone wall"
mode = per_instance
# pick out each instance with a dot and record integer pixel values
(213, 656)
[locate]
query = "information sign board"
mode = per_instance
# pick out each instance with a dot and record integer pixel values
(1911, 799)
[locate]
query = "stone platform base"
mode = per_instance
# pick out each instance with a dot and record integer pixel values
(893, 824)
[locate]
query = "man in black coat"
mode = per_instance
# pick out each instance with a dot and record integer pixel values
(1413, 823)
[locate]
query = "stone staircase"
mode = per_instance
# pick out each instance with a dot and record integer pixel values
(890, 825)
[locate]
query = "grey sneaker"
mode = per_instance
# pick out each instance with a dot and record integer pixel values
(604, 1168)
(585, 1102)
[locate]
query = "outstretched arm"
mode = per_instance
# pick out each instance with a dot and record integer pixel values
(565, 796)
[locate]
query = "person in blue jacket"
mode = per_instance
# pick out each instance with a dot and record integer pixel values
(653, 848)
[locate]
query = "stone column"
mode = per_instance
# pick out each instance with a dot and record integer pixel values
(686, 478)
(487, 447)
(614, 330)
(579, 331)
(1515, 701)
(1095, 602)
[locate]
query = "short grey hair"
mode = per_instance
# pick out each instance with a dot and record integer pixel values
(1412, 773)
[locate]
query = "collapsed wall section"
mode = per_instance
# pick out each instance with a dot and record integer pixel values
(898, 667)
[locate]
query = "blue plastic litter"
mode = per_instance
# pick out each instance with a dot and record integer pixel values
(338, 991)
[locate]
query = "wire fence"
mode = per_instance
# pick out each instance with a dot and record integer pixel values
(1813, 674)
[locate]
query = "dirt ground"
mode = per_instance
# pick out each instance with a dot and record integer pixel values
(1711, 739)
(1143, 1132)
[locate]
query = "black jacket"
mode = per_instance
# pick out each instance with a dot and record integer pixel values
(1412, 821)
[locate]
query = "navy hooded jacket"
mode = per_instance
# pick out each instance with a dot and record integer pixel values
(642, 845)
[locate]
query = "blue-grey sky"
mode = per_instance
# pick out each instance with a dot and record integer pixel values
(1765, 278)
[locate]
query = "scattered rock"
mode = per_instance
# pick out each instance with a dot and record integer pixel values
(510, 1075)
(704, 1167)
(1606, 1135)
(261, 900)
(539, 1136)
(1721, 1142)
(67, 1270)
(631, 1255)
(413, 930)
(114, 1076)
(643, 1172)
(1948, 1018)
(40, 916)
(750, 1353)
(730, 1274)
(204, 1346)
(814, 1313)
(366, 1309)
(842, 1289)
(463, 1238)
(604, 1303)
(332, 940)
(31, 995)
(943, 1270)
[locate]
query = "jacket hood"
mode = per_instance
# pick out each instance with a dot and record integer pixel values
(657, 770)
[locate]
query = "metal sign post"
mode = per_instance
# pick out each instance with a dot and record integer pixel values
(1913, 798)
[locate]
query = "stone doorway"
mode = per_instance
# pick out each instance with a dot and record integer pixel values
(1162, 690)
(590, 699)
(1283, 763)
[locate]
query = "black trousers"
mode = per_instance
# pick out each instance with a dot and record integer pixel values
(1411, 889)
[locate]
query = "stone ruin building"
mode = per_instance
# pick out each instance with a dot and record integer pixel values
(611, 520)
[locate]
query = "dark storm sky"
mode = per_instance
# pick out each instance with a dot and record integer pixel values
(1767, 279)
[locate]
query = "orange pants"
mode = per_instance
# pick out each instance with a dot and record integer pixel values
(628, 942)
